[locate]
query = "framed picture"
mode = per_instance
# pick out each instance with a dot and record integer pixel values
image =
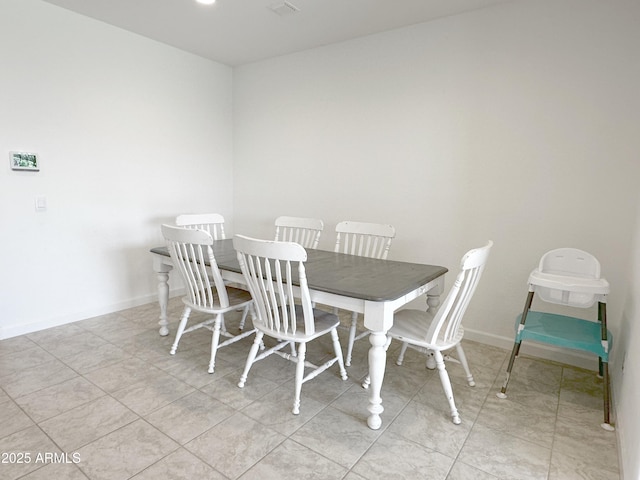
(24, 161)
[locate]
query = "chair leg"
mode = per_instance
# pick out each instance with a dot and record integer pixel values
(514, 353)
(302, 353)
(215, 340)
(431, 360)
(245, 311)
(338, 352)
(403, 350)
(463, 360)
(257, 343)
(607, 397)
(604, 367)
(352, 337)
(446, 385)
(516, 345)
(183, 323)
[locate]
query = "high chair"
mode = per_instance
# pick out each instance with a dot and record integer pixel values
(568, 277)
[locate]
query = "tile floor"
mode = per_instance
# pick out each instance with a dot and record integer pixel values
(103, 399)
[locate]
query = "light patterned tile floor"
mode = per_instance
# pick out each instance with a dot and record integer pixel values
(103, 399)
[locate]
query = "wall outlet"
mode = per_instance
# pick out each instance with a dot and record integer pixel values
(41, 203)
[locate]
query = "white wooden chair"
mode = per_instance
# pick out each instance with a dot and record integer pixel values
(211, 222)
(366, 240)
(305, 231)
(442, 331)
(214, 224)
(301, 230)
(270, 269)
(192, 255)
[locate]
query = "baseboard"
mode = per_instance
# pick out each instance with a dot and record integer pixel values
(528, 348)
(548, 352)
(9, 331)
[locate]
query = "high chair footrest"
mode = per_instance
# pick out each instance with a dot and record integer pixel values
(564, 331)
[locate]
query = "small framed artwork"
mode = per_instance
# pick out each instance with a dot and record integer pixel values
(24, 161)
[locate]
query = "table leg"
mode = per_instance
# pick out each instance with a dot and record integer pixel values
(377, 363)
(162, 270)
(163, 300)
(433, 302)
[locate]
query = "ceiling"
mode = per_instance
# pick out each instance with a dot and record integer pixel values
(235, 32)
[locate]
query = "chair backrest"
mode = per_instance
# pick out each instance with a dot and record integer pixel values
(448, 318)
(271, 270)
(305, 231)
(211, 222)
(364, 239)
(190, 250)
(566, 264)
(571, 262)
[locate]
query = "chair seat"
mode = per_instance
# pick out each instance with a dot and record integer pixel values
(564, 331)
(324, 323)
(237, 298)
(412, 325)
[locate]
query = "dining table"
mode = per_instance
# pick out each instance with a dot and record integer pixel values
(372, 287)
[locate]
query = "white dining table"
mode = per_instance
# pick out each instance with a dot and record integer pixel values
(375, 288)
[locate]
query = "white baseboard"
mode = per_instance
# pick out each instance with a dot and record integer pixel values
(9, 331)
(528, 348)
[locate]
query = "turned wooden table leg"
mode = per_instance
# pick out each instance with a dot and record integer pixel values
(163, 300)
(433, 302)
(377, 363)
(162, 270)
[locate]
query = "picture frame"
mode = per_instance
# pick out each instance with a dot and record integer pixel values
(24, 161)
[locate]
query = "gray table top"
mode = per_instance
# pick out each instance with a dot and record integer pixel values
(348, 275)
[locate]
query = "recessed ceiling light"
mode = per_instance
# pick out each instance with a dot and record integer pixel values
(206, 2)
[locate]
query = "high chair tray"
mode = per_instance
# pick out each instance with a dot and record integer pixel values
(594, 286)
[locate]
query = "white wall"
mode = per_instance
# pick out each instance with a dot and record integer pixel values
(627, 388)
(516, 123)
(129, 132)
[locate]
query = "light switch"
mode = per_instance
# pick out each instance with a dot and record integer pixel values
(41, 204)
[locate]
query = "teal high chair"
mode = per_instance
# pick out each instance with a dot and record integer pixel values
(569, 277)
